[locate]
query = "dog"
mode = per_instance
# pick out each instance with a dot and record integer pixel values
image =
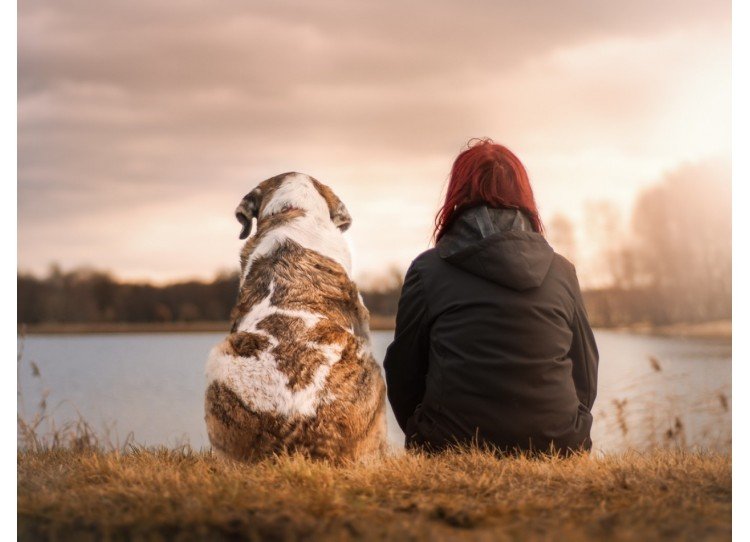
(296, 373)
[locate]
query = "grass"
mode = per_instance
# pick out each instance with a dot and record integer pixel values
(182, 494)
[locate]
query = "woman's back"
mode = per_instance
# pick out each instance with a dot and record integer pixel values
(492, 342)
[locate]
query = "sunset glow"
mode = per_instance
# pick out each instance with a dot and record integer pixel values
(141, 125)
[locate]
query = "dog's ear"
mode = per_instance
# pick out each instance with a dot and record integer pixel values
(341, 217)
(339, 213)
(246, 211)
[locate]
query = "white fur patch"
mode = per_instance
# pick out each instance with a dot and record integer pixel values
(297, 190)
(257, 379)
(263, 388)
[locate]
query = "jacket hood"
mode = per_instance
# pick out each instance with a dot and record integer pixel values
(499, 245)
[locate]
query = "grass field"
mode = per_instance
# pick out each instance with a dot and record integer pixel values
(173, 495)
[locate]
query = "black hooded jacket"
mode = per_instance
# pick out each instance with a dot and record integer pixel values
(492, 341)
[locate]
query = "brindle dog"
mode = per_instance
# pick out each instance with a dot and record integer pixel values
(296, 373)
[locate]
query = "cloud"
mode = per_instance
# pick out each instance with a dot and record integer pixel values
(140, 112)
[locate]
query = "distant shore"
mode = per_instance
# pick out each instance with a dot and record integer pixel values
(717, 329)
(720, 329)
(377, 323)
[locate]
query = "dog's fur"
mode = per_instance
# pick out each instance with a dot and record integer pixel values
(296, 373)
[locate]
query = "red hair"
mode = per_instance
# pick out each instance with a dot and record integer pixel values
(487, 174)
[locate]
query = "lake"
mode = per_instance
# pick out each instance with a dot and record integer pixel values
(653, 391)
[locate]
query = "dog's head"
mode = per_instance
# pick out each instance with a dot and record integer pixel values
(291, 191)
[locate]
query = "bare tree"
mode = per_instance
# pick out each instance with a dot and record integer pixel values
(683, 229)
(562, 236)
(605, 231)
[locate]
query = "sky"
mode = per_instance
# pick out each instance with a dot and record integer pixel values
(142, 124)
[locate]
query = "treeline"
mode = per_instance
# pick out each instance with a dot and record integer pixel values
(92, 296)
(87, 296)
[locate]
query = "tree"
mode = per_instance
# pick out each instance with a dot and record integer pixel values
(605, 230)
(683, 229)
(562, 236)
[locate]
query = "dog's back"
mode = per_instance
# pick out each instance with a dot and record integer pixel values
(296, 372)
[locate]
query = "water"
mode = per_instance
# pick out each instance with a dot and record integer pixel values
(152, 385)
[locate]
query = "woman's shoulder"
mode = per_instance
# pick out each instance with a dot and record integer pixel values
(425, 268)
(563, 264)
(565, 272)
(426, 262)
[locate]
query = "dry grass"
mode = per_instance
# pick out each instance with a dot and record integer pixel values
(161, 494)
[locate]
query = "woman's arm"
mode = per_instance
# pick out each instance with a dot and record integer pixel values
(406, 359)
(584, 353)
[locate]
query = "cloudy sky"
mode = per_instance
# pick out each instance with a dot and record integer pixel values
(142, 124)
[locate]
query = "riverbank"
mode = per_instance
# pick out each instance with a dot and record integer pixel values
(122, 327)
(377, 323)
(717, 329)
(720, 329)
(163, 495)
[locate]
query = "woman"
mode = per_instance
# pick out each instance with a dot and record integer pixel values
(492, 342)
